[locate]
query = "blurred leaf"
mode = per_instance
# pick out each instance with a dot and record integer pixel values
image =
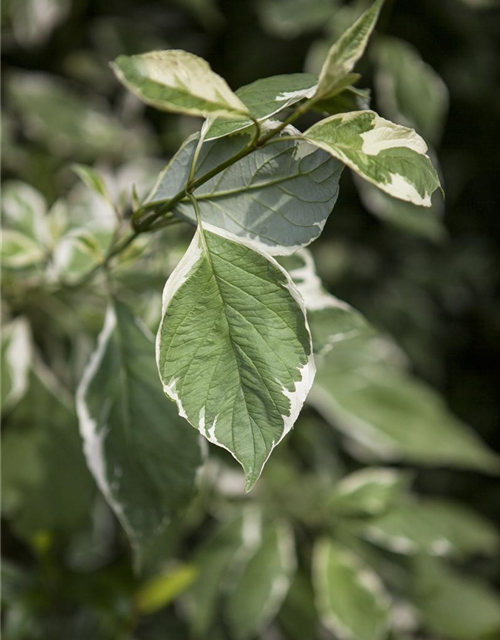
(55, 115)
(453, 605)
(278, 211)
(92, 179)
(46, 486)
(409, 91)
(331, 320)
(265, 98)
(260, 590)
(160, 590)
(391, 157)
(434, 527)
(19, 251)
(293, 18)
(344, 53)
(351, 600)
(15, 581)
(421, 221)
(143, 456)
(362, 390)
(179, 82)
(16, 351)
(24, 209)
(231, 544)
(297, 616)
(33, 21)
(351, 99)
(369, 491)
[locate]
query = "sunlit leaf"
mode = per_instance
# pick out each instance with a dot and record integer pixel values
(391, 157)
(234, 349)
(178, 81)
(344, 54)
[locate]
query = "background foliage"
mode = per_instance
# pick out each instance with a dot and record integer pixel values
(68, 569)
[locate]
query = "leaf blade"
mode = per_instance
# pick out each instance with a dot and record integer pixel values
(222, 292)
(118, 394)
(391, 157)
(180, 82)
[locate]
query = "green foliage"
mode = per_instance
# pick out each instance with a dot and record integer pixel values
(127, 517)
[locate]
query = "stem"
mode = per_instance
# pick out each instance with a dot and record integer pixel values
(162, 208)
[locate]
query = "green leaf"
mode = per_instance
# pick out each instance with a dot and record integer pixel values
(234, 349)
(292, 18)
(142, 455)
(265, 98)
(160, 590)
(297, 616)
(363, 389)
(24, 209)
(179, 82)
(351, 600)
(259, 592)
(434, 527)
(231, 545)
(19, 251)
(93, 180)
(345, 53)
(54, 114)
(16, 361)
(369, 491)
(279, 196)
(453, 605)
(391, 157)
(409, 91)
(45, 484)
(421, 221)
(351, 99)
(331, 320)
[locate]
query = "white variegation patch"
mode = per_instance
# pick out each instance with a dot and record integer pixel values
(359, 138)
(93, 439)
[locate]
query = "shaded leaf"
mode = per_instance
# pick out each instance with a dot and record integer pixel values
(46, 486)
(331, 320)
(16, 361)
(453, 605)
(369, 491)
(279, 196)
(363, 389)
(265, 98)
(142, 455)
(351, 600)
(260, 590)
(409, 91)
(434, 527)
